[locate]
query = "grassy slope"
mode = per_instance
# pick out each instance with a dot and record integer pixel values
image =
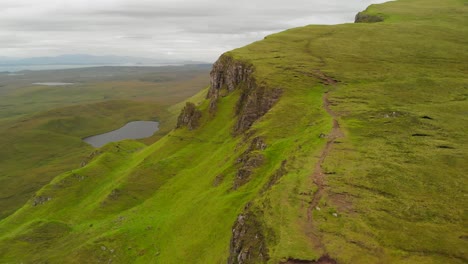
(41, 127)
(397, 198)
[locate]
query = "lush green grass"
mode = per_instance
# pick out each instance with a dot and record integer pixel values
(41, 127)
(395, 187)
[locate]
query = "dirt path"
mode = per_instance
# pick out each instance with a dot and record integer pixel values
(319, 176)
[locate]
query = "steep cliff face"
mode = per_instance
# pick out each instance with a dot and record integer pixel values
(256, 99)
(227, 74)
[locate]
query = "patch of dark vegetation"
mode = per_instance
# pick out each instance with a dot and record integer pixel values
(45, 232)
(445, 147)
(427, 117)
(280, 172)
(362, 17)
(420, 135)
(325, 259)
(189, 117)
(373, 190)
(218, 180)
(248, 244)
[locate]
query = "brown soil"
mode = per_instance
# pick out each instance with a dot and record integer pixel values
(325, 79)
(319, 176)
(322, 260)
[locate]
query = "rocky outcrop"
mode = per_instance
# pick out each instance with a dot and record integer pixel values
(249, 160)
(253, 104)
(256, 99)
(227, 74)
(247, 241)
(189, 117)
(38, 200)
(363, 17)
(90, 158)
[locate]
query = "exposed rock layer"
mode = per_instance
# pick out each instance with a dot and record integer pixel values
(362, 17)
(247, 241)
(249, 160)
(256, 99)
(189, 117)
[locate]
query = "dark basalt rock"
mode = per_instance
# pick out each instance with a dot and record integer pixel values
(189, 117)
(367, 18)
(228, 75)
(247, 242)
(249, 164)
(253, 104)
(250, 159)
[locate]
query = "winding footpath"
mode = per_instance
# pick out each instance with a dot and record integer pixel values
(318, 176)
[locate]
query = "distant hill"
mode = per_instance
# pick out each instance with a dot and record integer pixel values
(86, 59)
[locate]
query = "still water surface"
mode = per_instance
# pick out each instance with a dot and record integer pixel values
(53, 83)
(132, 130)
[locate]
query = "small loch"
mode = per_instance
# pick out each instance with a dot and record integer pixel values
(53, 83)
(132, 130)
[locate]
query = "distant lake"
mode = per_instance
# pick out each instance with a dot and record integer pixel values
(132, 130)
(53, 83)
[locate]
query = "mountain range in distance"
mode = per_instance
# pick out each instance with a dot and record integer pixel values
(86, 59)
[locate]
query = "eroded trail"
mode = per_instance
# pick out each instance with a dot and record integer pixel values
(318, 177)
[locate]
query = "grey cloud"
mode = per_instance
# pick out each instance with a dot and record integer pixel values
(188, 29)
(154, 13)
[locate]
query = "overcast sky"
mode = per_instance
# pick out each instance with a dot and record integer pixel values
(188, 29)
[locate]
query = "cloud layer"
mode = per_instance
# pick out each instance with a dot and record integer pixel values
(180, 29)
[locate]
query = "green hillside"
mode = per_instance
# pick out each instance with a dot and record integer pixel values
(320, 144)
(41, 127)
